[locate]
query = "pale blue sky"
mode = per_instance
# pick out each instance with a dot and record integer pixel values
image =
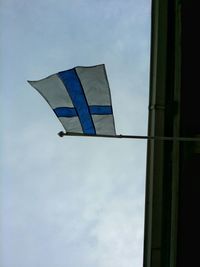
(72, 201)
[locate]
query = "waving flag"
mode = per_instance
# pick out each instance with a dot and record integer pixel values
(80, 98)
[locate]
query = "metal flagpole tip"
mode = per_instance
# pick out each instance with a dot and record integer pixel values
(61, 134)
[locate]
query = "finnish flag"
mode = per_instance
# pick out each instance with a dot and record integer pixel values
(80, 98)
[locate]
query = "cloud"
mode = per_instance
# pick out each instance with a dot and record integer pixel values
(72, 201)
(86, 202)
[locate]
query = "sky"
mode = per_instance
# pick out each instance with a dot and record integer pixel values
(72, 201)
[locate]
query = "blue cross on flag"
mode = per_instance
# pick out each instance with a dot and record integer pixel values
(80, 98)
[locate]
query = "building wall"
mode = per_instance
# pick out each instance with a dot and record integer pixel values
(171, 216)
(189, 191)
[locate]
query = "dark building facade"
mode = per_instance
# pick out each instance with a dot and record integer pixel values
(173, 167)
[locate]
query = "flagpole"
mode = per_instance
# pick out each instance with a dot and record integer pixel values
(145, 137)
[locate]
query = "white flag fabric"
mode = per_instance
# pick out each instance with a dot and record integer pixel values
(80, 98)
